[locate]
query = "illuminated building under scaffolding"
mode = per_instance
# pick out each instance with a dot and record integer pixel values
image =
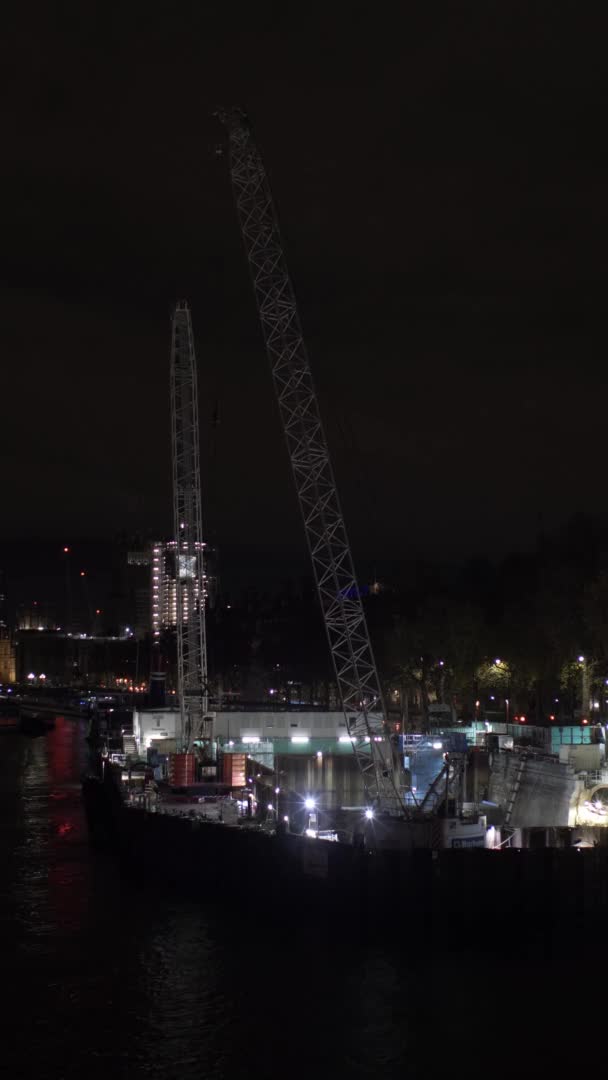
(163, 564)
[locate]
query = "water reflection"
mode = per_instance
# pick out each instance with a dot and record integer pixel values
(108, 976)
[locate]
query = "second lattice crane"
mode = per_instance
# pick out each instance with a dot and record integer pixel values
(192, 675)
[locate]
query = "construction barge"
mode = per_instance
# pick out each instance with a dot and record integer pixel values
(249, 867)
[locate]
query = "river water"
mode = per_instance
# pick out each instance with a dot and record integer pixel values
(110, 978)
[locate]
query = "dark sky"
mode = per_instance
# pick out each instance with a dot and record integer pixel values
(442, 189)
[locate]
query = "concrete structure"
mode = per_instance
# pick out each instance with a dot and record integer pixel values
(260, 734)
(300, 728)
(582, 756)
(534, 790)
(152, 724)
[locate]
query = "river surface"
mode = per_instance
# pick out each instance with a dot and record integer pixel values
(104, 977)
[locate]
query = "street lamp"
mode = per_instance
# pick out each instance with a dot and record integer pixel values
(585, 673)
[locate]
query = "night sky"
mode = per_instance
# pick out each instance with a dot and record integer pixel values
(441, 184)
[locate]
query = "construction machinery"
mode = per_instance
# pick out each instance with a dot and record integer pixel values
(192, 678)
(338, 590)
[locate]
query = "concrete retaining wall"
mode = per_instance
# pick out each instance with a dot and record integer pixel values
(545, 795)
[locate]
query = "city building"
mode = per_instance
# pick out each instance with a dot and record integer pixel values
(80, 659)
(139, 592)
(36, 615)
(3, 616)
(164, 570)
(7, 658)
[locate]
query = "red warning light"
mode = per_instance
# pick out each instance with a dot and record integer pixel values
(552, 717)
(584, 720)
(522, 719)
(66, 550)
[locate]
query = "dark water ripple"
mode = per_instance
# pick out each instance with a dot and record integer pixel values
(109, 978)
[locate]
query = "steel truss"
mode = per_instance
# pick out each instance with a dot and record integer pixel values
(188, 530)
(339, 593)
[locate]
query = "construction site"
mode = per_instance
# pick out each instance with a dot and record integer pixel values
(294, 786)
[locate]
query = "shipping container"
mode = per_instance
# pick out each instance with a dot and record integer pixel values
(181, 769)
(234, 770)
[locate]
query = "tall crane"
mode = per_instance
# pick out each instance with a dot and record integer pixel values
(337, 587)
(192, 678)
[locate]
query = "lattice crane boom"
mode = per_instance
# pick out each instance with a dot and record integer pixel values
(188, 530)
(339, 594)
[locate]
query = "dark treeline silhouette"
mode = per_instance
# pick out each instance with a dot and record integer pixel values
(439, 631)
(536, 613)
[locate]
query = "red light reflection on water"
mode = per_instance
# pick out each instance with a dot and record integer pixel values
(64, 751)
(66, 883)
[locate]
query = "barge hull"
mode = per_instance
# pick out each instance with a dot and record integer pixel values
(287, 874)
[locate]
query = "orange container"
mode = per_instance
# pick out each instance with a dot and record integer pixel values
(234, 770)
(181, 769)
